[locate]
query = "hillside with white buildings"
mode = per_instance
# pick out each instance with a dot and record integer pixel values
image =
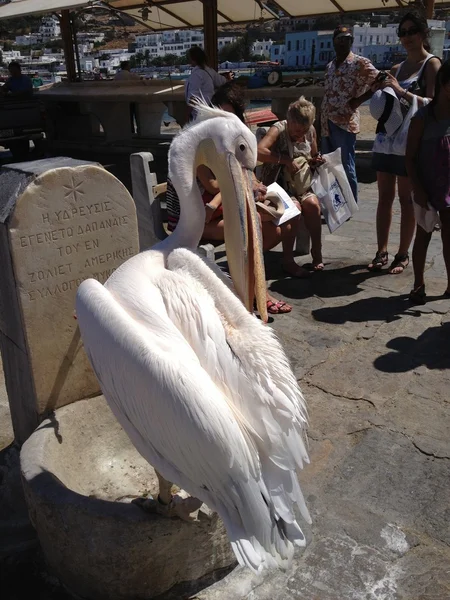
(302, 46)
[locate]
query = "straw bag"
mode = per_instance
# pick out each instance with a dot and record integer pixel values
(301, 180)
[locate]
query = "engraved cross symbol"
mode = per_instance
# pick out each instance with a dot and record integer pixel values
(73, 190)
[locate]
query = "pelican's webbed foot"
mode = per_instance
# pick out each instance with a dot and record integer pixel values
(181, 505)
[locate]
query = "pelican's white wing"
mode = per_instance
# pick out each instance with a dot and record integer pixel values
(205, 393)
(246, 360)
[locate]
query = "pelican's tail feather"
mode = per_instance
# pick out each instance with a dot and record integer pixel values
(260, 537)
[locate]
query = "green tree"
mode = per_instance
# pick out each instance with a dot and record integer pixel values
(170, 60)
(231, 52)
(55, 44)
(158, 61)
(139, 59)
(147, 58)
(257, 57)
(237, 51)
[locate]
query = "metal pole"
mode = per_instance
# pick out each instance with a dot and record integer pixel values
(429, 7)
(313, 56)
(75, 43)
(66, 34)
(210, 31)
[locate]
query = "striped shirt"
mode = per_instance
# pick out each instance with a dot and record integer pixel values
(173, 203)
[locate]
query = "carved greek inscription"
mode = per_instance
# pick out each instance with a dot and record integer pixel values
(70, 224)
(80, 239)
(67, 286)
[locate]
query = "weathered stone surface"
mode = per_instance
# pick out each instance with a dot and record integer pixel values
(80, 472)
(69, 224)
(6, 432)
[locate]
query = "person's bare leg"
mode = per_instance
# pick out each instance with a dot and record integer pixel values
(419, 256)
(313, 222)
(386, 195)
(213, 231)
(286, 234)
(445, 235)
(407, 224)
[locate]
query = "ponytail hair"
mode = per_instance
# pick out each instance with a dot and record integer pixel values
(198, 55)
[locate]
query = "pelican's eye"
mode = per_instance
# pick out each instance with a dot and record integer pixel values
(242, 147)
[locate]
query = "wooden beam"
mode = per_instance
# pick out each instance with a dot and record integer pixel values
(172, 14)
(224, 16)
(210, 31)
(338, 6)
(429, 8)
(66, 34)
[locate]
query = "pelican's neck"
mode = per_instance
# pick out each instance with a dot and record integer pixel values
(182, 172)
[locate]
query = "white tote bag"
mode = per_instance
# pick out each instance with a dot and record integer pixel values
(331, 186)
(396, 143)
(400, 137)
(428, 219)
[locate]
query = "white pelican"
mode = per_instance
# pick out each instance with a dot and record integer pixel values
(201, 386)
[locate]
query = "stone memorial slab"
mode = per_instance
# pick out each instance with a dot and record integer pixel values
(58, 226)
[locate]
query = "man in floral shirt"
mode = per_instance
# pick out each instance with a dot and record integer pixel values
(347, 85)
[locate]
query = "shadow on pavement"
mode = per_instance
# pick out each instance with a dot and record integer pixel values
(430, 349)
(330, 283)
(369, 309)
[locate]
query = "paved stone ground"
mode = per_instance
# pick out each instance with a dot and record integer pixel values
(376, 375)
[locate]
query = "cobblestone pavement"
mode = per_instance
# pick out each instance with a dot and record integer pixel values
(376, 375)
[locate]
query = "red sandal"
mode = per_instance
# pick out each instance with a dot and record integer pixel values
(278, 308)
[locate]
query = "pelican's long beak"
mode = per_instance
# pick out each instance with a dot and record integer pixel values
(243, 239)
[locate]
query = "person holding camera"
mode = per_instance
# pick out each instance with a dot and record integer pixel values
(347, 85)
(415, 76)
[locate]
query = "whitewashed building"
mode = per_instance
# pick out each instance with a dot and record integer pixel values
(49, 29)
(379, 44)
(262, 47)
(168, 42)
(85, 37)
(30, 39)
(175, 42)
(365, 35)
(89, 63)
(10, 55)
(225, 40)
(109, 60)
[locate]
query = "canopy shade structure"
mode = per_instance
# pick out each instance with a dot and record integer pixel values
(178, 14)
(168, 14)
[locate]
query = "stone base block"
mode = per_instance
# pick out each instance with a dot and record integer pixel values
(80, 475)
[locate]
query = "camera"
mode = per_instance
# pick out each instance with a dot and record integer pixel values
(381, 76)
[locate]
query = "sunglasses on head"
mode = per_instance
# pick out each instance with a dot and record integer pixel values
(408, 32)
